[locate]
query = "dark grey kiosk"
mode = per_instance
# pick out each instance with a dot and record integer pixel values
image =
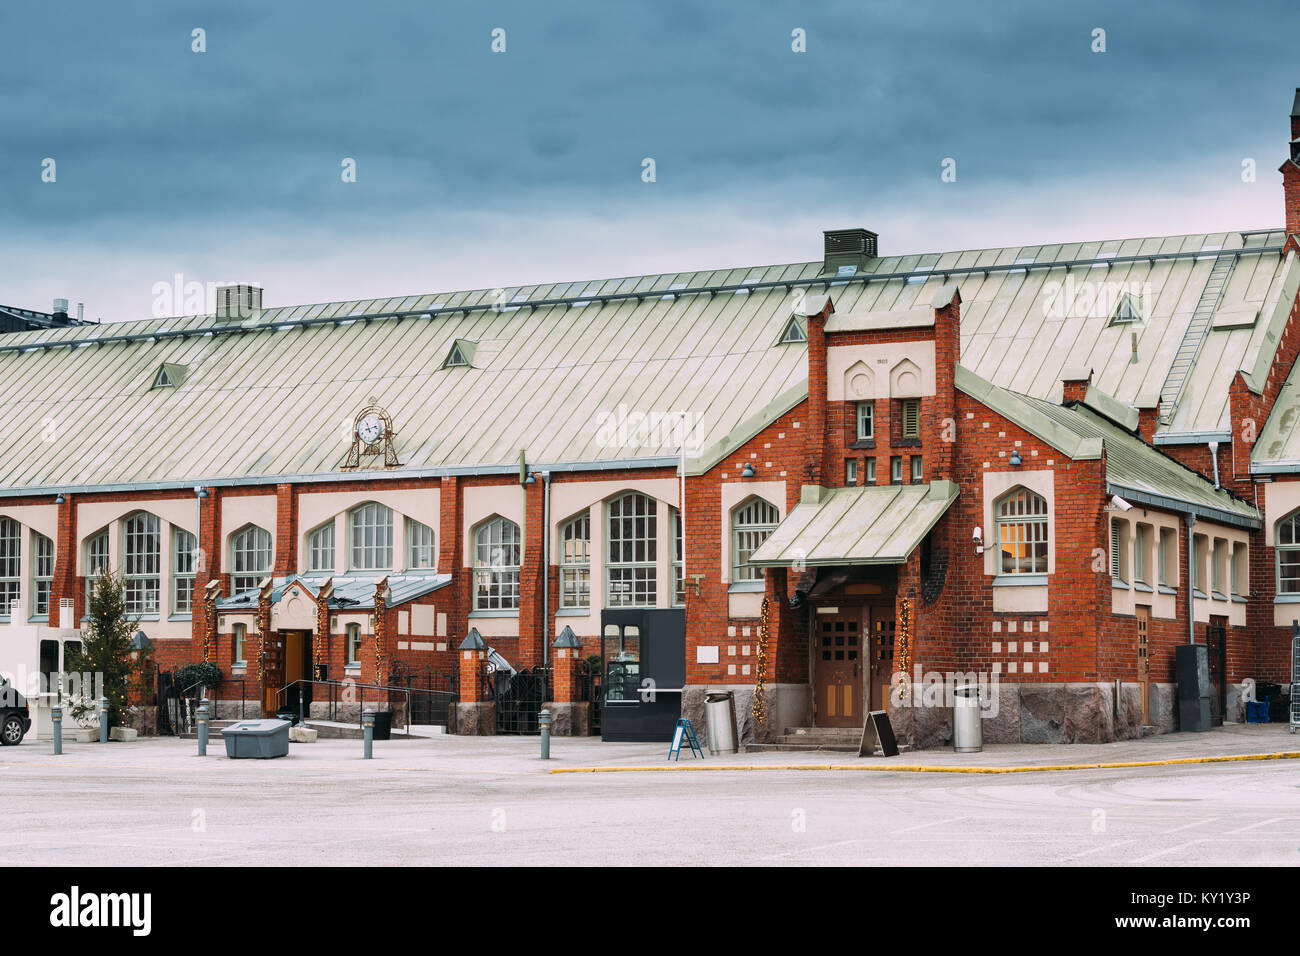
(643, 668)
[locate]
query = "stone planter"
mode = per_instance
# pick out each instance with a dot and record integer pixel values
(124, 734)
(84, 735)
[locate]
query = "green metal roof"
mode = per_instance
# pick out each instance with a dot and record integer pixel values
(878, 524)
(270, 397)
(1134, 470)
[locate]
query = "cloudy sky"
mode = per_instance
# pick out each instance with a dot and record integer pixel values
(479, 168)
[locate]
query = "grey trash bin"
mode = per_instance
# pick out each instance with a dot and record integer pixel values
(720, 717)
(257, 738)
(967, 732)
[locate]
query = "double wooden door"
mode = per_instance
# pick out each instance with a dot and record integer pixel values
(853, 659)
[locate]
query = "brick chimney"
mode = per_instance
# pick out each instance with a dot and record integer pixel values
(1291, 175)
(1148, 407)
(818, 309)
(1075, 382)
(947, 351)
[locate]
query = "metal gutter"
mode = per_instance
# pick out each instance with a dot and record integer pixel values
(218, 328)
(1183, 507)
(1191, 438)
(189, 484)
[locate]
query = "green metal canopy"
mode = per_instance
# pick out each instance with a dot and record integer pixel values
(880, 524)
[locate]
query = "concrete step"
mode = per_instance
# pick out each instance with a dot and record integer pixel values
(338, 730)
(801, 748)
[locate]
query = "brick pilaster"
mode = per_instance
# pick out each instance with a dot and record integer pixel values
(208, 562)
(286, 531)
(532, 615)
(815, 439)
(947, 351)
(64, 586)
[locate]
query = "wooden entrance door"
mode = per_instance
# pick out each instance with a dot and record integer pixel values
(838, 660)
(1216, 636)
(272, 672)
(1144, 658)
(881, 651)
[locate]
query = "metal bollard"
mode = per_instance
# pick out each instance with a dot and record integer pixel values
(56, 716)
(203, 728)
(103, 720)
(367, 734)
(544, 722)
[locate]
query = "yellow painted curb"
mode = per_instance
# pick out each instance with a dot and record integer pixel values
(919, 768)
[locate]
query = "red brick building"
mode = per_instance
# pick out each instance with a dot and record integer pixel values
(1041, 468)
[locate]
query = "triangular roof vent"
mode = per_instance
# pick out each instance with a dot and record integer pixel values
(794, 332)
(169, 375)
(461, 354)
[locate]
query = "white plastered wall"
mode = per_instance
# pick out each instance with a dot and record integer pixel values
(34, 519)
(315, 509)
(900, 370)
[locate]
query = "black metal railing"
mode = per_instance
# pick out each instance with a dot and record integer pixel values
(518, 698)
(178, 706)
(432, 694)
(335, 700)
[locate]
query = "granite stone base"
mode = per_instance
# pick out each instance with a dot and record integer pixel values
(476, 719)
(785, 705)
(143, 720)
(569, 719)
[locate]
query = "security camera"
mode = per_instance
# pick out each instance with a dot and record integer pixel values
(977, 534)
(1120, 503)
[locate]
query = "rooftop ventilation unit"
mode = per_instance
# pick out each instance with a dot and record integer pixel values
(238, 302)
(848, 247)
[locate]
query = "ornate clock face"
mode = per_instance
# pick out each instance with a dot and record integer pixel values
(370, 429)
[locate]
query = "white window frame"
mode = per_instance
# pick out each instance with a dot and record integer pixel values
(1019, 520)
(498, 550)
(42, 573)
(352, 644)
(141, 564)
(421, 551)
(370, 537)
(97, 560)
(185, 548)
(1287, 541)
(321, 555)
(250, 554)
(866, 418)
(575, 562)
(11, 564)
(239, 641)
(631, 551)
(752, 523)
(678, 598)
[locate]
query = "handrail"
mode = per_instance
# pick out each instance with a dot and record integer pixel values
(408, 691)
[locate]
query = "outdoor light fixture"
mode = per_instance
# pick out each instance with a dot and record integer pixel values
(140, 644)
(1015, 458)
(59, 499)
(748, 471)
(1119, 503)
(978, 537)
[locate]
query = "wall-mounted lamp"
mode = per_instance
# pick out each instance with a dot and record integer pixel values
(59, 499)
(747, 471)
(1015, 458)
(531, 480)
(978, 537)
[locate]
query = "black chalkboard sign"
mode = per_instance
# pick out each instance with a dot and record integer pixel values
(879, 727)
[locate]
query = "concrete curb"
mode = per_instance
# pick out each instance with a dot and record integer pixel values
(917, 768)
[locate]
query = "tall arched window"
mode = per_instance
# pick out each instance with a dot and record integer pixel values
(141, 560)
(1021, 517)
(1288, 554)
(372, 537)
(575, 562)
(320, 548)
(251, 559)
(631, 571)
(496, 566)
(751, 523)
(185, 553)
(96, 561)
(11, 562)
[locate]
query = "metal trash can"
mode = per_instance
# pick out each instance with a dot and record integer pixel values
(967, 732)
(257, 738)
(383, 725)
(720, 718)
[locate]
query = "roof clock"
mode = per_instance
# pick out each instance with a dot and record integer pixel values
(372, 440)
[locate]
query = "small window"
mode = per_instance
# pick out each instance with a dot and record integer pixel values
(679, 569)
(1128, 310)
(1200, 552)
(251, 550)
(352, 646)
(871, 471)
(456, 358)
(850, 472)
(43, 579)
(185, 549)
(1141, 539)
(575, 562)
(419, 544)
(915, 465)
(240, 640)
(169, 375)
(320, 548)
(1168, 557)
(794, 331)
(866, 421)
(1022, 526)
(911, 418)
(1240, 585)
(896, 470)
(1114, 550)
(751, 525)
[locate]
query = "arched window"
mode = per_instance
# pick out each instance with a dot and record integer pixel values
(419, 545)
(632, 569)
(575, 562)
(185, 554)
(1021, 517)
(11, 555)
(496, 566)
(43, 575)
(251, 554)
(96, 562)
(320, 548)
(141, 560)
(751, 524)
(1288, 554)
(372, 537)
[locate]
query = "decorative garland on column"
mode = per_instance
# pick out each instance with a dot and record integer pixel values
(322, 625)
(263, 626)
(903, 648)
(381, 628)
(209, 620)
(759, 709)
